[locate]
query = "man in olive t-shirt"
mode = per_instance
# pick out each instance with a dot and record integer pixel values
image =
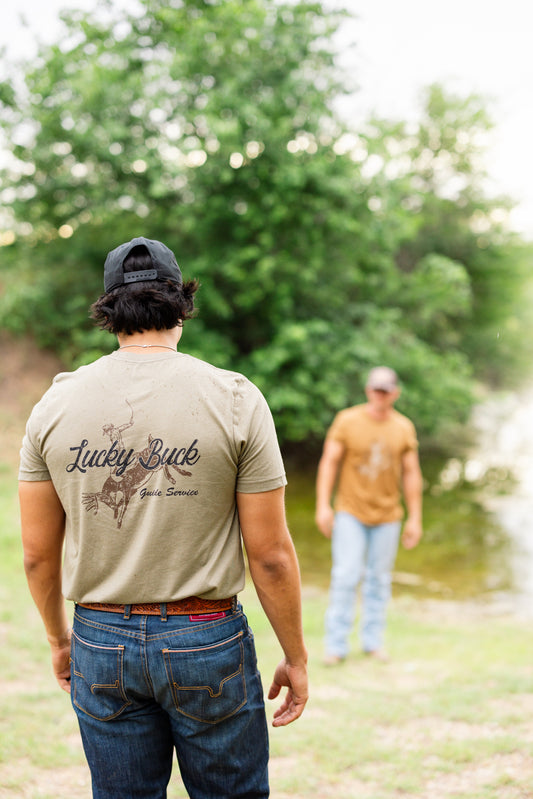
(372, 450)
(151, 469)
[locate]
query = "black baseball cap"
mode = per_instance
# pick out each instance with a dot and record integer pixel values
(164, 264)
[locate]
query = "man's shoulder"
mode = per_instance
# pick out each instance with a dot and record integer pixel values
(401, 419)
(215, 373)
(346, 419)
(353, 413)
(405, 427)
(62, 380)
(63, 392)
(352, 409)
(65, 381)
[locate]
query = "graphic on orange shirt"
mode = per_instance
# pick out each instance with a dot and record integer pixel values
(378, 461)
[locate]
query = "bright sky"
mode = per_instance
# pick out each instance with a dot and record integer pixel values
(403, 45)
(481, 46)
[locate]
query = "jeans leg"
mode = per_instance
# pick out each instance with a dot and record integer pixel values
(212, 692)
(228, 759)
(126, 737)
(382, 549)
(130, 760)
(348, 553)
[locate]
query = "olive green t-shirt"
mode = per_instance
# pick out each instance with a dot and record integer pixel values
(370, 472)
(146, 453)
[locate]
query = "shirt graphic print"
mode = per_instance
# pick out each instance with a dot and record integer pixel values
(129, 470)
(377, 461)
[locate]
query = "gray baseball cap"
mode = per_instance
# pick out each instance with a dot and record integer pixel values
(382, 378)
(164, 264)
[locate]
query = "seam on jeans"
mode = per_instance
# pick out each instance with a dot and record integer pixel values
(143, 649)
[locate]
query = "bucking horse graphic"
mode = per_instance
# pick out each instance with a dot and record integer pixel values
(118, 489)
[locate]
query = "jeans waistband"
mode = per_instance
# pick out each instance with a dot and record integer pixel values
(181, 607)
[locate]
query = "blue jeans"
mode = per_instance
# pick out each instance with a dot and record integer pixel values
(360, 551)
(143, 687)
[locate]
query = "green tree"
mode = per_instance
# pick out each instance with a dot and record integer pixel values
(210, 126)
(465, 275)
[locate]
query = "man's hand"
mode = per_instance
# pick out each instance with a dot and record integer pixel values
(324, 520)
(295, 678)
(61, 661)
(412, 533)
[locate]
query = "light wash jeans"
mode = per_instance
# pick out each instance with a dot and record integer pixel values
(360, 551)
(144, 687)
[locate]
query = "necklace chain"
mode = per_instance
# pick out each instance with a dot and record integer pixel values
(163, 346)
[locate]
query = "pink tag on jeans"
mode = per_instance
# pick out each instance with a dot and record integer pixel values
(208, 616)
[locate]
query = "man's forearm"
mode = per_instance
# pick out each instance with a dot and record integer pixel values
(276, 576)
(278, 587)
(44, 581)
(325, 482)
(412, 485)
(43, 530)
(412, 492)
(328, 469)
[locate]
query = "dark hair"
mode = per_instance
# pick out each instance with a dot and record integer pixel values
(147, 305)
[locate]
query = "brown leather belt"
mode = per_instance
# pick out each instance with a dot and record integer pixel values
(191, 605)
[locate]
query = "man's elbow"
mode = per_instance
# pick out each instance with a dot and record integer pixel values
(275, 565)
(33, 563)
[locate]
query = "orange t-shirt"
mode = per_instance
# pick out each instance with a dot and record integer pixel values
(370, 473)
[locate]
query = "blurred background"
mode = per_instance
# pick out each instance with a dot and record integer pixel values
(350, 182)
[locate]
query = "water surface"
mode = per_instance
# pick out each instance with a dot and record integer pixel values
(478, 515)
(465, 551)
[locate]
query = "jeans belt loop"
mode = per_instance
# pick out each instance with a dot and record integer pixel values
(163, 607)
(127, 611)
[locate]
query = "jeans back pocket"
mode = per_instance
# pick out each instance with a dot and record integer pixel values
(98, 679)
(207, 682)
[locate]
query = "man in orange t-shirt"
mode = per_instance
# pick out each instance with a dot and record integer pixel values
(372, 451)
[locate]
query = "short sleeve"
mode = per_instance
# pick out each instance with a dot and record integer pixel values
(260, 465)
(337, 430)
(32, 466)
(411, 437)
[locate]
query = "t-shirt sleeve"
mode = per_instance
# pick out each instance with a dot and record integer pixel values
(337, 431)
(32, 466)
(260, 465)
(411, 437)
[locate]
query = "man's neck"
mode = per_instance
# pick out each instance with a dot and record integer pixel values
(378, 414)
(150, 340)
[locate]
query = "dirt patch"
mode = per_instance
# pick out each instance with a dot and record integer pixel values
(25, 373)
(511, 772)
(73, 782)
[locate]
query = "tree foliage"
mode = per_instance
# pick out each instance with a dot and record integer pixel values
(321, 250)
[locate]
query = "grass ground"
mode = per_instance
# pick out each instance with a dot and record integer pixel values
(450, 716)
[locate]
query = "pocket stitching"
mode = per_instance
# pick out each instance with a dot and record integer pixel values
(175, 687)
(118, 684)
